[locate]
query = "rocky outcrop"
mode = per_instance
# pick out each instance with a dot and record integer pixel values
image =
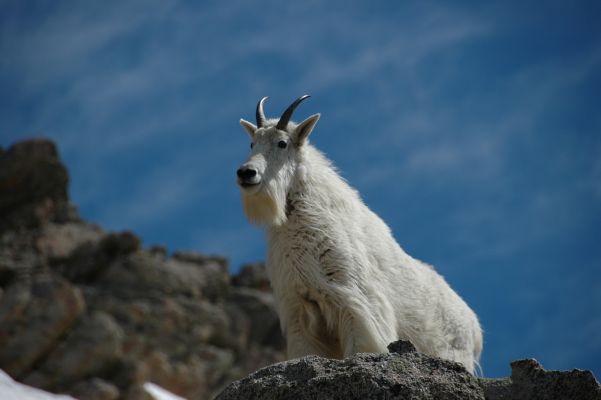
(530, 381)
(33, 318)
(408, 375)
(33, 184)
(95, 314)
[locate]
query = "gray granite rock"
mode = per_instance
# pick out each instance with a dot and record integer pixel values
(530, 381)
(407, 374)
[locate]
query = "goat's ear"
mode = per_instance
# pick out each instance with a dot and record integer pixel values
(248, 127)
(304, 129)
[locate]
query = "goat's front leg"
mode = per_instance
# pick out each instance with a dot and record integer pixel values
(298, 345)
(306, 333)
(358, 335)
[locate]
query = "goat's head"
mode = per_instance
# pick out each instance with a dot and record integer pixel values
(266, 176)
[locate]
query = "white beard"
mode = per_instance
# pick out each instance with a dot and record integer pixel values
(263, 208)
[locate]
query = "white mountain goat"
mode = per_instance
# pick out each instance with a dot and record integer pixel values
(341, 282)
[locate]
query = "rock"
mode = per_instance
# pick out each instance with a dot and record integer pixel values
(95, 389)
(180, 326)
(58, 241)
(253, 276)
(259, 308)
(401, 347)
(32, 320)
(214, 269)
(11, 390)
(201, 259)
(158, 250)
(410, 375)
(93, 346)
(406, 374)
(147, 316)
(530, 381)
(150, 274)
(191, 376)
(92, 258)
(18, 258)
(33, 185)
(158, 393)
(120, 244)
(253, 355)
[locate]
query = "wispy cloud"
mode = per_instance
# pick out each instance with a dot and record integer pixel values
(110, 107)
(68, 35)
(377, 47)
(159, 193)
(474, 146)
(449, 141)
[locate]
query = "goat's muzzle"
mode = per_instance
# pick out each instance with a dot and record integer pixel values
(248, 176)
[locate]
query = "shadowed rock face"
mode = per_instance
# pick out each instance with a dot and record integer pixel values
(95, 315)
(33, 185)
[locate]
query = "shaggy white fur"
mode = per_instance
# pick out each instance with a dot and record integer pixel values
(341, 282)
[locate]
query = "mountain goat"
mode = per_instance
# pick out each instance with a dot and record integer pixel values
(341, 282)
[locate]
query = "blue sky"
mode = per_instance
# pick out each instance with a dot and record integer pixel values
(474, 131)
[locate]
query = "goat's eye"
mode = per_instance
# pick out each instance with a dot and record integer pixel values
(252, 144)
(282, 144)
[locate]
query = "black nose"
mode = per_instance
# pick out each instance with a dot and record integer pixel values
(246, 173)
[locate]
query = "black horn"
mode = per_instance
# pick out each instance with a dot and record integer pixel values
(260, 113)
(285, 118)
